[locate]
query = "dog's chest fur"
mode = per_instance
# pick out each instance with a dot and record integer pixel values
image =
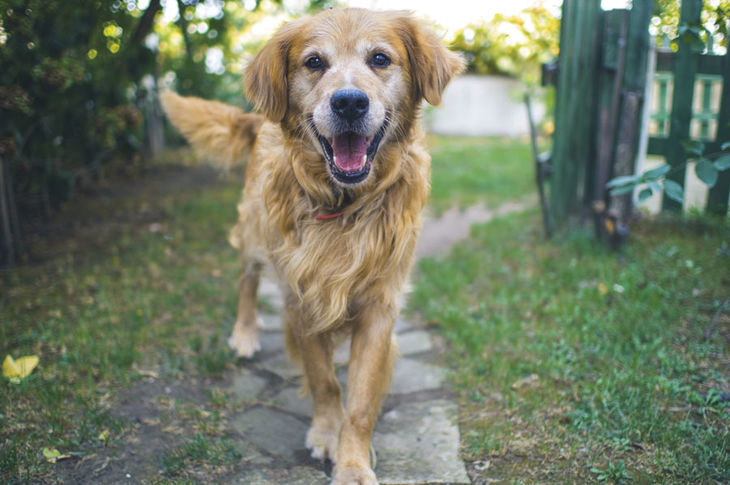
(335, 264)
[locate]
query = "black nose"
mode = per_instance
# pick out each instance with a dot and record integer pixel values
(350, 104)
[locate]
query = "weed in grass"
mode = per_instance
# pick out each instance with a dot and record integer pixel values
(214, 358)
(198, 453)
(613, 472)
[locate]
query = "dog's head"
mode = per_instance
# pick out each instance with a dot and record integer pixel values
(349, 81)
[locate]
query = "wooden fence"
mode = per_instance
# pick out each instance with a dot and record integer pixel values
(601, 91)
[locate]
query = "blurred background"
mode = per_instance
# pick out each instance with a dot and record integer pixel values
(79, 84)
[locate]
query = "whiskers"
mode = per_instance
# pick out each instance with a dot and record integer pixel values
(303, 127)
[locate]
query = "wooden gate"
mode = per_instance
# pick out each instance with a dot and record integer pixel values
(601, 91)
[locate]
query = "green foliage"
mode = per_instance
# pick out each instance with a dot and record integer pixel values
(63, 91)
(511, 45)
(613, 472)
(706, 170)
(713, 24)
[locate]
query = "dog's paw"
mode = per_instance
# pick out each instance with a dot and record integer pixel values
(322, 441)
(353, 476)
(245, 343)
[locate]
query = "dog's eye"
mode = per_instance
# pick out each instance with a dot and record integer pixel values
(314, 63)
(380, 60)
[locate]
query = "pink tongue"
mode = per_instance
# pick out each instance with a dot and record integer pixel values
(349, 150)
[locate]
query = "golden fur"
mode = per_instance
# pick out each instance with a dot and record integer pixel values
(344, 275)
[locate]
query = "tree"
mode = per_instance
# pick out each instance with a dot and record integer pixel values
(712, 31)
(511, 45)
(77, 90)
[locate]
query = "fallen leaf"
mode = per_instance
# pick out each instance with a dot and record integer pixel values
(52, 455)
(528, 381)
(104, 435)
(16, 370)
(602, 288)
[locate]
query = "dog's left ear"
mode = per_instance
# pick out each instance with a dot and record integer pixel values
(432, 64)
(265, 79)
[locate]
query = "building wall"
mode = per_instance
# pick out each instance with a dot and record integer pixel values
(478, 105)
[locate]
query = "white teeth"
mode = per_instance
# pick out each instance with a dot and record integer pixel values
(364, 160)
(334, 159)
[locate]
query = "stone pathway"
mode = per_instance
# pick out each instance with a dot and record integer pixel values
(416, 438)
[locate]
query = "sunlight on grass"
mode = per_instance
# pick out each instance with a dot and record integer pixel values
(470, 170)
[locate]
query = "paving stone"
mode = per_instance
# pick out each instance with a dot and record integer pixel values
(402, 325)
(414, 342)
(278, 476)
(270, 291)
(272, 430)
(251, 455)
(247, 386)
(282, 366)
(271, 321)
(271, 341)
(411, 375)
(418, 443)
(411, 342)
(289, 400)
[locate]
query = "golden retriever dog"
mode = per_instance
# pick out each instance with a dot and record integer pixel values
(335, 186)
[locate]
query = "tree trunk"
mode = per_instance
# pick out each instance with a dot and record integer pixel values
(147, 22)
(5, 219)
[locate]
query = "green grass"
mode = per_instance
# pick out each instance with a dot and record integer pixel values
(470, 170)
(153, 297)
(199, 453)
(580, 365)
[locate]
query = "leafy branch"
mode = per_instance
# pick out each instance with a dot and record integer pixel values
(654, 180)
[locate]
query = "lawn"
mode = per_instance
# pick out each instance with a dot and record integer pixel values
(579, 365)
(145, 285)
(471, 170)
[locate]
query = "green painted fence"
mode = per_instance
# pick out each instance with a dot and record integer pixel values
(600, 88)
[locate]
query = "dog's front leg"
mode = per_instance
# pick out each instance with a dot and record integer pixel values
(372, 356)
(316, 351)
(245, 337)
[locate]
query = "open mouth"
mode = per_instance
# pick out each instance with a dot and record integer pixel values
(350, 154)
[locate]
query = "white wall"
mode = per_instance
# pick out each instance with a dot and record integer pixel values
(482, 105)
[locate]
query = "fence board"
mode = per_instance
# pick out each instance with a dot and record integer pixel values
(686, 65)
(717, 202)
(574, 152)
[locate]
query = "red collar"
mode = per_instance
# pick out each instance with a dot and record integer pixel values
(323, 217)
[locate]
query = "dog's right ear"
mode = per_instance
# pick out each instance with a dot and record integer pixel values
(265, 79)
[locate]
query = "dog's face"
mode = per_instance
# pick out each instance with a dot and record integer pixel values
(350, 81)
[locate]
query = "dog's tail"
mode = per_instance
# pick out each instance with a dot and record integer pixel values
(218, 131)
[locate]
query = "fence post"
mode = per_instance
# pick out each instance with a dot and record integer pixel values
(634, 87)
(684, 78)
(575, 121)
(717, 202)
